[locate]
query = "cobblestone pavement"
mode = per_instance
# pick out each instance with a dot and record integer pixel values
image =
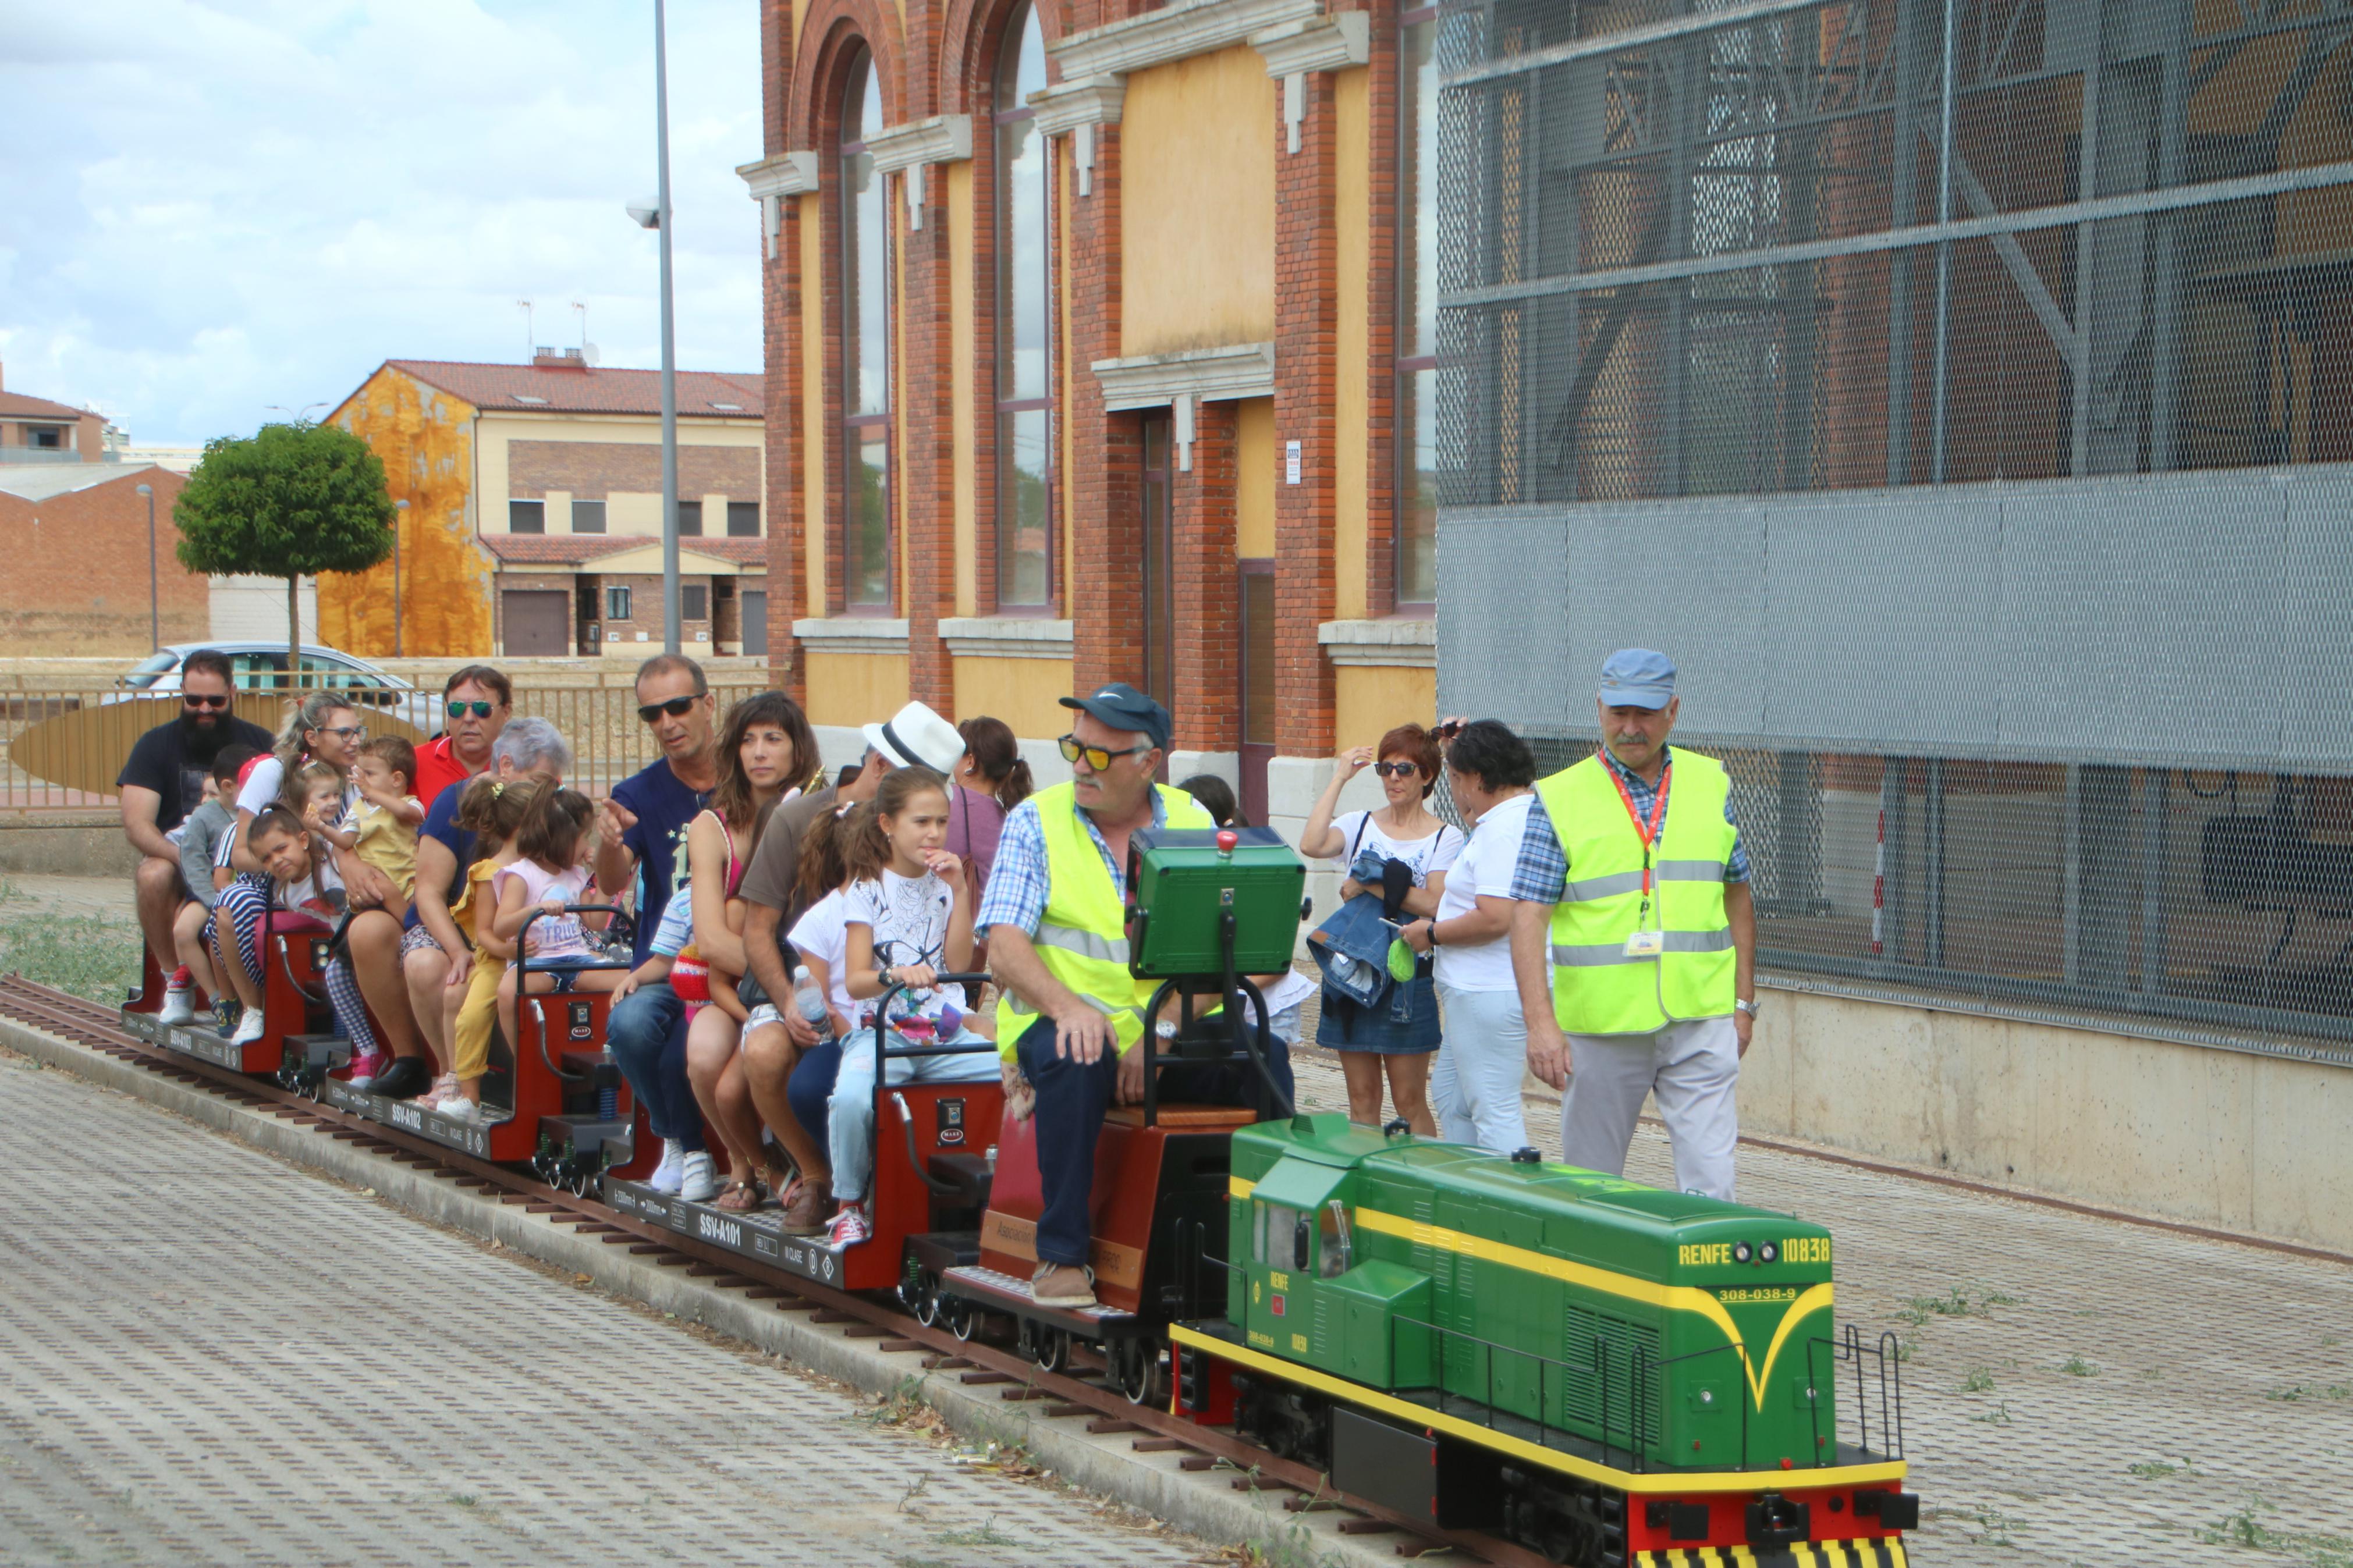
(192, 1338)
(2078, 1390)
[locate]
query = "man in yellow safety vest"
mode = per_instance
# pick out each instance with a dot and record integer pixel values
(1634, 946)
(1072, 1015)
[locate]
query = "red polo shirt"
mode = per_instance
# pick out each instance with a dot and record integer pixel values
(438, 768)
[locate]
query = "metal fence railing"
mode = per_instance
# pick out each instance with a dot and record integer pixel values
(62, 746)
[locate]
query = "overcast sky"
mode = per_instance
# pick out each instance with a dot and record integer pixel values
(209, 206)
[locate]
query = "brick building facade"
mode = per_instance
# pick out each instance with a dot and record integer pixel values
(1085, 332)
(532, 517)
(79, 578)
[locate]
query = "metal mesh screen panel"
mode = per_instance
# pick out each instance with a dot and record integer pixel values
(1958, 391)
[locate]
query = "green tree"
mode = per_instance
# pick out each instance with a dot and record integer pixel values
(291, 501)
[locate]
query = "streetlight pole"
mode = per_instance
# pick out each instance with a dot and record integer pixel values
(155, 602)
(398, 627)
(669, 342)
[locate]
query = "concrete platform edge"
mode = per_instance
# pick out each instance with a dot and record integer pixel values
(1203, 1503)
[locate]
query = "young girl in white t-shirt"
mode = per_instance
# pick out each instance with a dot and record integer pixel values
(909, 920)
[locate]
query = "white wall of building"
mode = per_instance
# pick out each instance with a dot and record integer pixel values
(253, 609)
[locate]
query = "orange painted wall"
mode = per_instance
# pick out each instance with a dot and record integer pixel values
(426, 438)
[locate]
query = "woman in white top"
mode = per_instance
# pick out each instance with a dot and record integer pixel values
(1395, 1039)
(1476, 1084)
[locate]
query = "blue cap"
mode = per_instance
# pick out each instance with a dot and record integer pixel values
(1122, 707)
(1637, 678)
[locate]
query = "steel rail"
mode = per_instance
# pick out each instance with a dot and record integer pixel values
(89, 1024)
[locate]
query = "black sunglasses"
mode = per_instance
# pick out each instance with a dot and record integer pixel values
(482, 710)
(676, 708)
(198, 699)
(1397, 770)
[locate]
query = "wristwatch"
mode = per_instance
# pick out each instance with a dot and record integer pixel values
(882, 977)
(1748, 1007)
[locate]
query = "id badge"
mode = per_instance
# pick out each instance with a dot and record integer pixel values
(1646, 944)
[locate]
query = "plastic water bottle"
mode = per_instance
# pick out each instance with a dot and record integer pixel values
(812, 1002)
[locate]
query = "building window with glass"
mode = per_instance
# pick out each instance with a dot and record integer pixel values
(1025, 403)
(865, 348)
(526, 517)
(1417, 330)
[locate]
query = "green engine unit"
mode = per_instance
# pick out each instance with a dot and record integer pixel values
(1685, 1331)
(1183, 881)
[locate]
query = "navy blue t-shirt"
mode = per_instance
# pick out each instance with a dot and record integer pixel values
(440, 824)
(664, 806)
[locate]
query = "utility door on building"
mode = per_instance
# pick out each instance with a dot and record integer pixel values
(1257, 602)
(756, 623)
(1157, 575)
(538, 623)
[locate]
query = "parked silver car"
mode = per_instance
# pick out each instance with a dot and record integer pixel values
(262, 667)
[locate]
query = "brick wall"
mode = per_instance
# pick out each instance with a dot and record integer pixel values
(1306, 322)
(594, 470)
(77, 577)
(1208, 663)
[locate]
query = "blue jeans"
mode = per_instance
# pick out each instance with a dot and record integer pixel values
(1071, 1100)
(850, 1121)
(647, 1032)
(810, 1088)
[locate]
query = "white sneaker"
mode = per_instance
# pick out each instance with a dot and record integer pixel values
(698, 1183)
(179, 1006)
(458, 1108)
(248, 1029)
(666, 1174)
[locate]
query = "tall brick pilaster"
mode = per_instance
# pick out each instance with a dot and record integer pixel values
(1208, 611)
(924, 386)
(1307, 318)
(1106, 602)
(787, 521)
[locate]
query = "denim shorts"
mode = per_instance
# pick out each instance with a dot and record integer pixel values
(1402, 1024)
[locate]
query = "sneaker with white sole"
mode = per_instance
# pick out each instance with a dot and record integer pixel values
(179, 1001)
(366, 1064)
(248, 1029)
(458, 1108)
(666, 1174)
(848, 1227)
(698, 1181)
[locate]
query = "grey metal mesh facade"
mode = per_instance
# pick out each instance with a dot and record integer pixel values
(1963, 395)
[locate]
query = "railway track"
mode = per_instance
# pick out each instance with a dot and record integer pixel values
(1071, 1396)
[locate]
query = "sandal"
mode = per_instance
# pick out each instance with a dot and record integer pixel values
(741, 1197)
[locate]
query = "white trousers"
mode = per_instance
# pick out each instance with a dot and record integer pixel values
(1692, 1068)
(1475, 1087)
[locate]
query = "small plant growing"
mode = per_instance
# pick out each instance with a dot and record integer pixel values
(1978, 1381)
(2076, 1366)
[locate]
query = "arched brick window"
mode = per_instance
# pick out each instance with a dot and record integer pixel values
(867, 575)
(1024, 294)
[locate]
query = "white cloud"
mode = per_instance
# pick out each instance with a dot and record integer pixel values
(212, 207)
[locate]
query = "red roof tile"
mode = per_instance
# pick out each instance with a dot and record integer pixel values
(506, 387)
(16, 405)
(579, 549)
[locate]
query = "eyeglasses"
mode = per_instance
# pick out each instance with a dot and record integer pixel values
(1097, 758)
(481, 709)
(198, 699)
(347, 732)
(676, 708)
(1397, 770)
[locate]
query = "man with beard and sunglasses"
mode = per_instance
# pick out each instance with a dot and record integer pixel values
(164, 780)
(641, 826)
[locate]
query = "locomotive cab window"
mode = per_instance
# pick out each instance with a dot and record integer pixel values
(1338, 1253)
(1302, 1243)
(1258, 1233)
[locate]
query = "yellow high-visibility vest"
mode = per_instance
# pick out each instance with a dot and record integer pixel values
(1597, 989)
(1081, 938)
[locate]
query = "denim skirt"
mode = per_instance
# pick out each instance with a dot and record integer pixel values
(1402, 1024)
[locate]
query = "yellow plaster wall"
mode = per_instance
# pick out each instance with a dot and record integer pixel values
(1369, 701)
(1196, 203)
(813, 445)
(1351, 218)
(853, 688)
(1255, 477)
(1026, 693)
(961, 371)
(425, 438)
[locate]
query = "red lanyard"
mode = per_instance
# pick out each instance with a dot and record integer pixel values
(1648, 833)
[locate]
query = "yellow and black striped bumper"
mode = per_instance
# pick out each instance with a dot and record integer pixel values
(1887, 1553)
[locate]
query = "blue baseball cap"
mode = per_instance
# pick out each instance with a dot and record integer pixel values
(1122, 707)
(1637, 678)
